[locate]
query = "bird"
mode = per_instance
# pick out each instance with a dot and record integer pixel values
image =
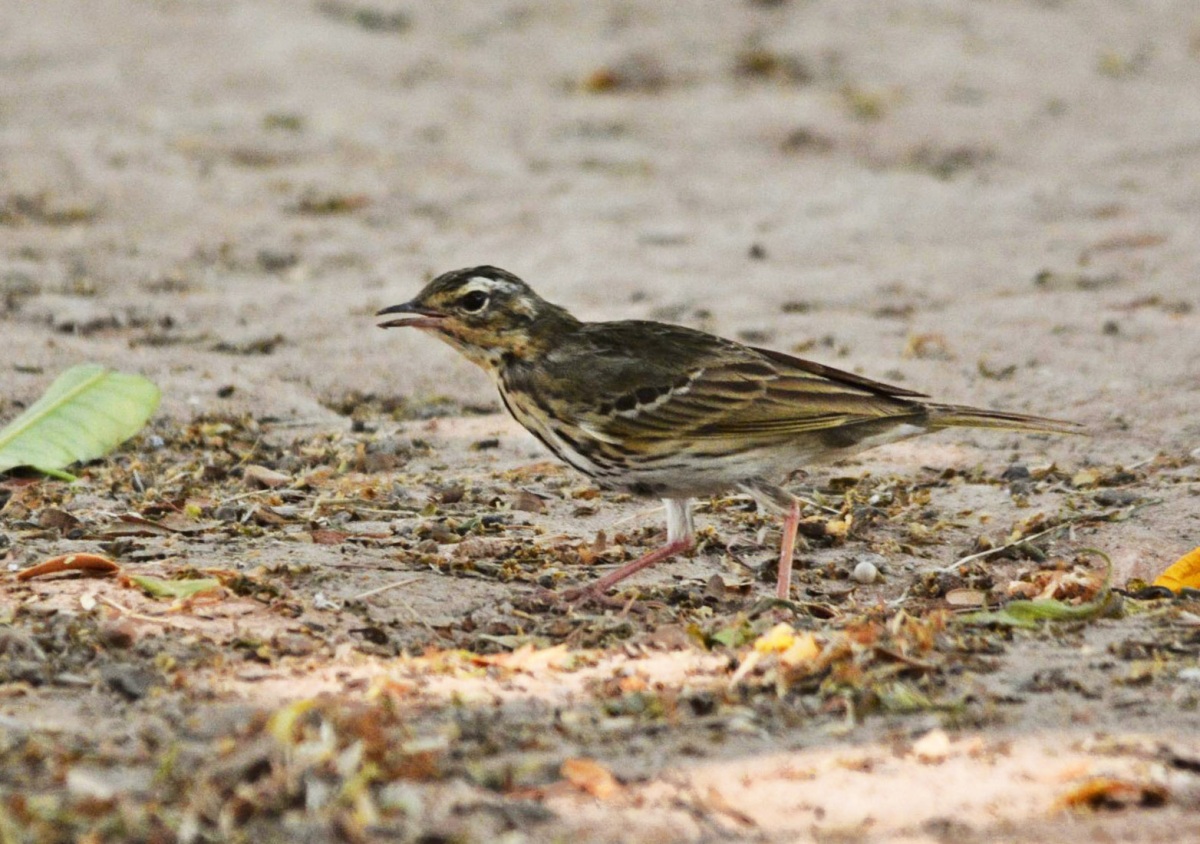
(670, 412)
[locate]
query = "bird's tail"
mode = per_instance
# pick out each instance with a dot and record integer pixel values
(960, 416)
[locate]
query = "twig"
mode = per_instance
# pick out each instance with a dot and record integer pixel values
(294, 423)
(128, 613)
(635, 516)
(978, 555)
(380, 589)
(1112, 516)
(242, 495)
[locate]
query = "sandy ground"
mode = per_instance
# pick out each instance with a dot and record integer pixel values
(995, 203)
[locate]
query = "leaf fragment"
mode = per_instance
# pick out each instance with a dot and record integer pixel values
(156, 587)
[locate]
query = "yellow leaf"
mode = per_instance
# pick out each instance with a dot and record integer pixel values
(1183, 573)
(838, 528)
(776, 640)
(282, 724)
(804, 649)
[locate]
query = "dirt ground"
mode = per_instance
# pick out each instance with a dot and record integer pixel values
(994, 203)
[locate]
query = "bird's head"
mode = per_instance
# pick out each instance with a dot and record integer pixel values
(486, 313)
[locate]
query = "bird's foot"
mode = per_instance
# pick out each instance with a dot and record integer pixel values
(584, 595)
(568, 600)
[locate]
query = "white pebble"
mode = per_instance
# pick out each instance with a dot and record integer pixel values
(865, 572)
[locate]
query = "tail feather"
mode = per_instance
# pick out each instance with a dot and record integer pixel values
(961, 416)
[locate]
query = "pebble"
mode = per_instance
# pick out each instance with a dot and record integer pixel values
(130, 681)
(865, 572)
(1116, 497)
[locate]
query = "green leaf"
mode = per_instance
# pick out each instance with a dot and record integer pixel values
(156, 587)
(1030, 614)
(904, 698)
(87, 412)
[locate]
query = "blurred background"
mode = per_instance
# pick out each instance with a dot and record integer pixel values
(994, 202)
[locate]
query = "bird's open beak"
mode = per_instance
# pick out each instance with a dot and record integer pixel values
(414, 315)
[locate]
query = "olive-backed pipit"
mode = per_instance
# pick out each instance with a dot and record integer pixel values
(670, 412)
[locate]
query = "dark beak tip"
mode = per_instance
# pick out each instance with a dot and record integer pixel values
(410, 314)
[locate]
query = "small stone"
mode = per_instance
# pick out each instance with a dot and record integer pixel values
(528, 502)
(865, 572)
(117, 634)
(131, 681)
(1016, 472)
(228, 513)
(277, 260)
(294, 644)
(1116, 497)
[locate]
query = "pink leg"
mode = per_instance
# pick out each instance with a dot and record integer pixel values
(658, 555)
(790, 525)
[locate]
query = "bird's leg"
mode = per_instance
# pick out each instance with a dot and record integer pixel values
(681, 535)
(788, 545)
(776, 498)
(645, 561)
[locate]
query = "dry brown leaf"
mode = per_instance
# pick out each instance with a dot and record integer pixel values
(57, 519)
(260, 477)
(1112, 793)
(528, 502)
(529, 659)
(590, 776)
(629, 685)
(93, 563)
(717, 802)
(325, 536)
(1128, 240)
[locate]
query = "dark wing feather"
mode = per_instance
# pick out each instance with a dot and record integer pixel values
(649, 381)
(837, 375)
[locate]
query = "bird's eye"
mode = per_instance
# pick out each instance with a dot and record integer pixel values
(473, 301)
